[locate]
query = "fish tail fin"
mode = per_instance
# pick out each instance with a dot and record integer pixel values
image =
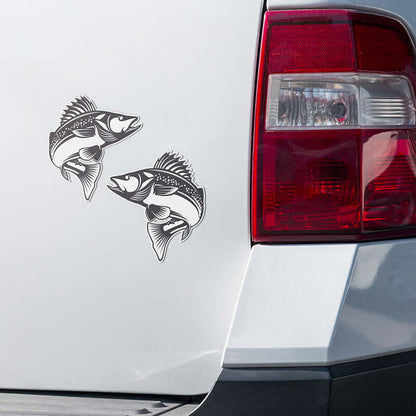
(89, 178)
(88, 174)
(162, 234)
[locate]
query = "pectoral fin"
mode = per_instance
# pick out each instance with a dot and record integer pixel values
(87, 132)
(164, 190)
(157, 212)
(94, 153)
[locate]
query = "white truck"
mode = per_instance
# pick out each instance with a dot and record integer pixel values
(208, 207)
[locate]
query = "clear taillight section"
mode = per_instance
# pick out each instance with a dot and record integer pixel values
(334, 155)
(339, 100)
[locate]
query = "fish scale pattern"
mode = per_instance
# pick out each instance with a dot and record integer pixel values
(14, 404)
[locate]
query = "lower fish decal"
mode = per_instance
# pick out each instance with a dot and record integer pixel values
(173, 202)
(77, 146)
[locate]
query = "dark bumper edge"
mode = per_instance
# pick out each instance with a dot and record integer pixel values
(379, 386)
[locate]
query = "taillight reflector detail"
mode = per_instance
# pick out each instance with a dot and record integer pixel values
(324, 167)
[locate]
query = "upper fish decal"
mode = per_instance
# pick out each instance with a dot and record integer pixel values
(77, 146)
(173, 202)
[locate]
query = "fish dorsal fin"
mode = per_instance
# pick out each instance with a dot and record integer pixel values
(174, 163)
(80, 106)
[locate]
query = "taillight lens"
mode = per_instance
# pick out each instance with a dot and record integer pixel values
(334, 154)
(338, 100)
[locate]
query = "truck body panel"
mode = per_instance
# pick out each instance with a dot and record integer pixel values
(85, 302)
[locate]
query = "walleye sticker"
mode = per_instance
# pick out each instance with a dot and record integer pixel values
(172, 200)
(77, 146)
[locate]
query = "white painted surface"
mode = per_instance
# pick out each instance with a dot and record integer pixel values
(84, 303)
(289, 304)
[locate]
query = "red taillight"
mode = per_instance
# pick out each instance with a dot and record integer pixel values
(334, 154)
(317, 47)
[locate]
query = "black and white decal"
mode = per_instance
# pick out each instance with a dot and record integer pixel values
(173, 201)
(77, 146)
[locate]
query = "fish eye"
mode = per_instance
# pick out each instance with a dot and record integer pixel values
(121, 118)
(127, 177)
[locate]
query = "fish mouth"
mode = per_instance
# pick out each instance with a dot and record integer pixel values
(114, 186)
(135, 125)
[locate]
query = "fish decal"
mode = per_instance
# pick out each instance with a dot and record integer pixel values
(77, 146)
(173, 202)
